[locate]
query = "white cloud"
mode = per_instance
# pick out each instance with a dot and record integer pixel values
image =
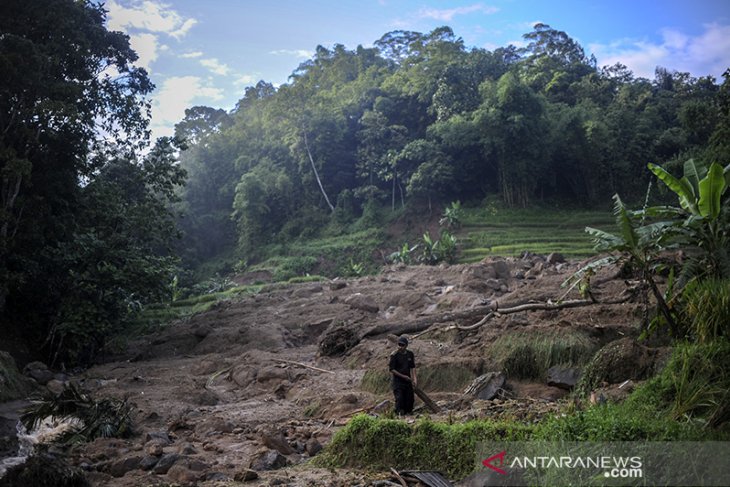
(175, 95)
(300, 53)
(184, 28)
(215, 66)
(707, 53)
(149, 15)
(146, 47)
(446, 15)
(190, 55)
(246, 79)
(145, 21)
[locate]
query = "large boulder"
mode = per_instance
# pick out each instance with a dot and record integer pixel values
(564, 377)
(13, 385)
(46, 470)
(486, 386)
(619, 361)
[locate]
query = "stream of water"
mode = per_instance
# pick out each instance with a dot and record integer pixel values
(26, 443)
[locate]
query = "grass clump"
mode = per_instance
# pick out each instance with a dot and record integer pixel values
(694, 385)
(368, 442)
(439, 377)
(706, 309)
(529, 355)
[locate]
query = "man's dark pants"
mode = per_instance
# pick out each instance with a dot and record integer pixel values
(403, 398)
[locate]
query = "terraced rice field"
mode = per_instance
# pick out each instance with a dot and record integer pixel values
(504, 232)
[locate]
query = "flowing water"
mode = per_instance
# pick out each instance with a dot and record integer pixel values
(45, 432)
(26, 443)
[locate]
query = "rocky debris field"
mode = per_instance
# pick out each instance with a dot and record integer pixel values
(249, 391)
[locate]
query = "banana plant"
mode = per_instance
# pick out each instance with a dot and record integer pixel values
(700, 190)
(699, 222)
(639, 244)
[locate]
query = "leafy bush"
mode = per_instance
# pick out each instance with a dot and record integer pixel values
(452, 215)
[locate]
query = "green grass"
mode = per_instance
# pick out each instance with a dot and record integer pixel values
(158, 315)
(687, 401)
(372, 443)
(511, 232)
(529, 355)
(328, 256)
(441, 377)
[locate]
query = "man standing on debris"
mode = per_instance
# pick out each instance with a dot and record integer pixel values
(403, 368)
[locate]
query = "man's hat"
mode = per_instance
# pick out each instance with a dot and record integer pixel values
(402, 341)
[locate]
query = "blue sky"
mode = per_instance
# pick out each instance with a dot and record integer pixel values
(205, 52)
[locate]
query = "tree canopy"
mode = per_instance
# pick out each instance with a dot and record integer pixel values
(421, 118)
(84, 218)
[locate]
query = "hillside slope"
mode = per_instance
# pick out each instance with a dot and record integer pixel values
(258, 382)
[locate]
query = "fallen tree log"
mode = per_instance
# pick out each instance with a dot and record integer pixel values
(487, 312)
(427, 400)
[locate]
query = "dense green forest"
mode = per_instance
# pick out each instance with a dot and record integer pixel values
(91, 210)
(421, 119)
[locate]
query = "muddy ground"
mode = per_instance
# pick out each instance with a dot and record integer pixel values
(245, 391)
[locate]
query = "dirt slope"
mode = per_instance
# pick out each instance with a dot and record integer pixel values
(219, 393)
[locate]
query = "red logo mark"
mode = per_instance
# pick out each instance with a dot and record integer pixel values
(488, 462)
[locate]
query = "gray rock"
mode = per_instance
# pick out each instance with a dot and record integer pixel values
(148, 462)
(276, 441)
(313, 447)
(362, 302)
(39, 372)
(56, 387)
(166, 462)
(119, 467)
(486, 386)
(501, 269)
(161, 436)
(555, 258)
(563, 377)
(269, 460)
(493, 284)
(245, 475)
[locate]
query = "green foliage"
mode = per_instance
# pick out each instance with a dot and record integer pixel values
(693, 386)
(293, 267)
(356, 269)
(701, 225)
(84, 224)
(104, 418)
(403, 255)
(442, 250)
(705, 309)
(616, 422)
(439, 377)
(452, 216)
